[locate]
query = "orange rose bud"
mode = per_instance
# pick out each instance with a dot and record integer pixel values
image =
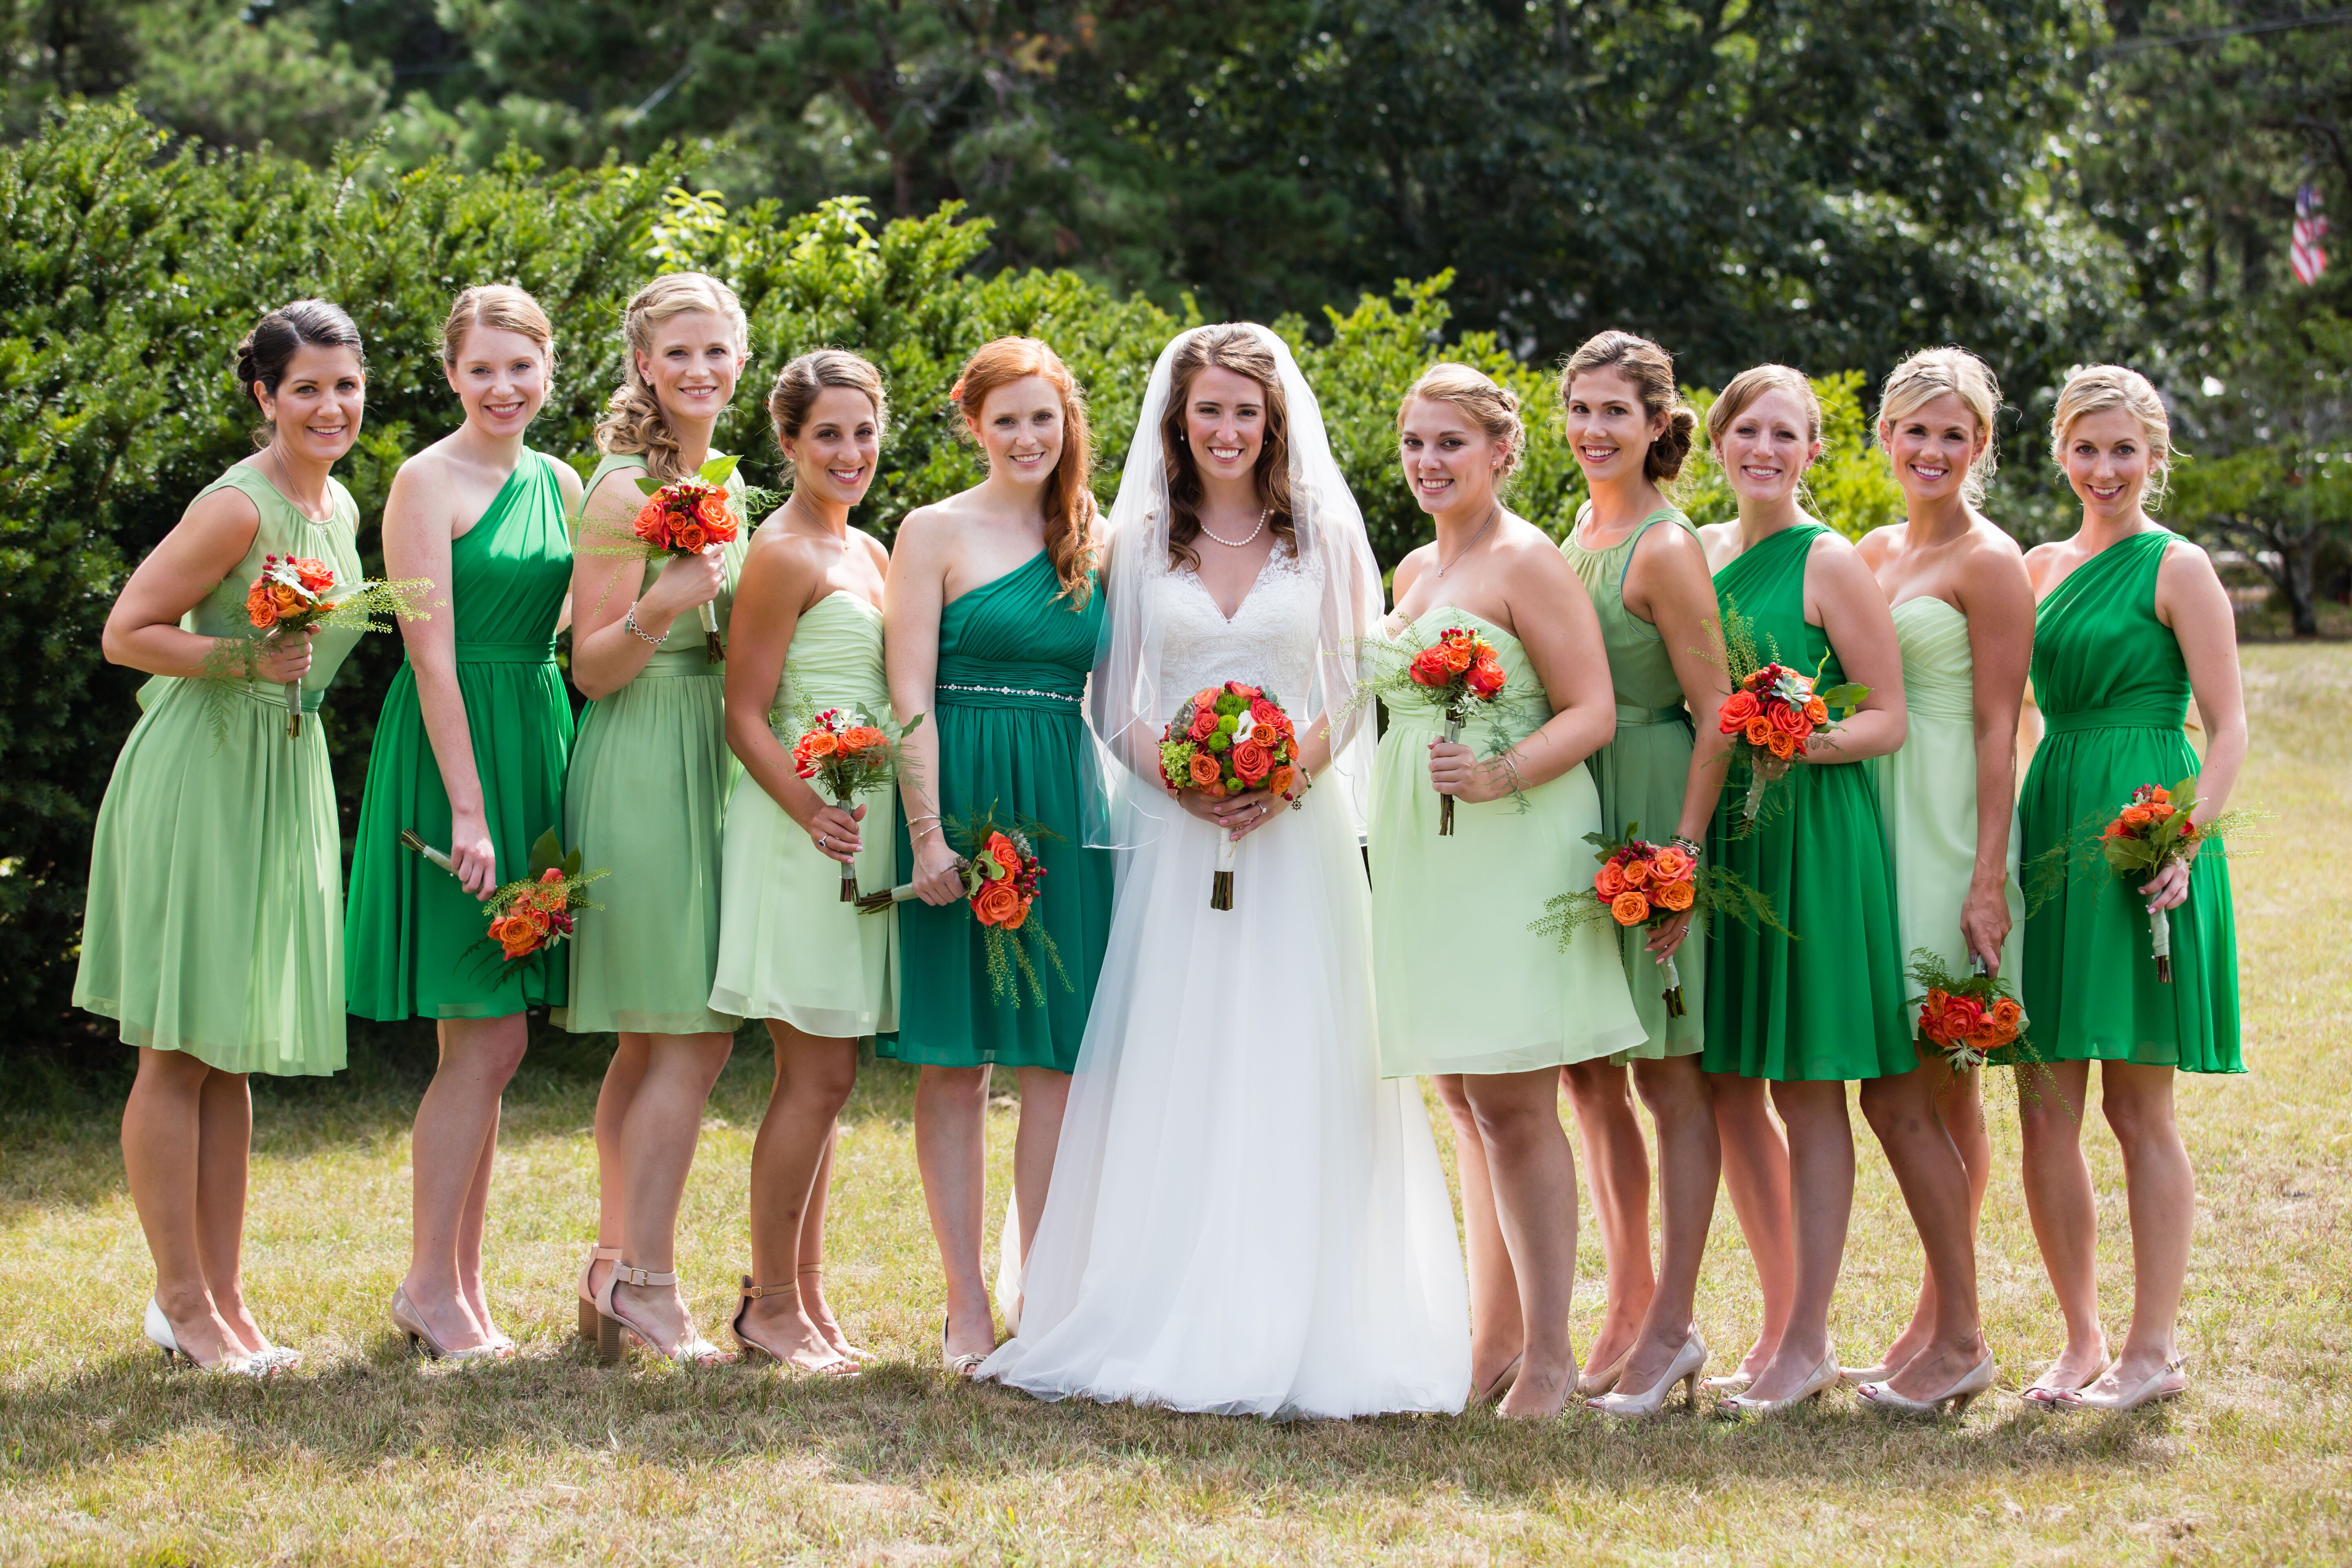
(1630, 909)
(1677, 896)
(1019, 916)
(1760, 731)
(995, 904)
(689, 537)
(1281, 779)
(1458, 655)
(1790, 721)
(1737, 709)
(1783, 746)
(1637, 873)
(1672, 865)
(862, 738)
(1251, 762)
(711, 511)
(821, 742)
(1610, 882)
(1817, 711)
(260, 606)
(1204, 771)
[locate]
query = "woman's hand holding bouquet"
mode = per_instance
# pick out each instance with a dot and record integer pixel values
(1228, 753)
(844, 756)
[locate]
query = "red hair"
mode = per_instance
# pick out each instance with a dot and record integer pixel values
(1070, 501)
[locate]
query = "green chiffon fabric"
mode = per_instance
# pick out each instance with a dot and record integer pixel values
(1014, 660)
(1928, 794)
(2111, 682)
(1828, 1004)
(1462, 985)
(1641, 776)
(212, 924)
(789, 948)
(417, 941)
(644, 798)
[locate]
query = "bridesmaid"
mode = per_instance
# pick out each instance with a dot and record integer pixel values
(1804, 1017)
(1475, 1000)
(217, 864)
(790, 950)
(2132, 621)
(650, 772)
(1964, 616)
(991, 620)
(468, 753)
(1640, 562)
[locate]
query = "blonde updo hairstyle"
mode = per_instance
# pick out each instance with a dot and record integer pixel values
(800, 382)
(1485, 402)
(502, 308)
(634, 423)
(1069, 500)
(1932, 374)
(2096, 389)
(1651, 369)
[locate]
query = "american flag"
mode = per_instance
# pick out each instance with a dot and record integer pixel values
(2305, 254)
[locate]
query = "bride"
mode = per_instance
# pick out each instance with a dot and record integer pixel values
(1244, 1217)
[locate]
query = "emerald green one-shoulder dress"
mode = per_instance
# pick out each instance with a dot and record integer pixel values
(1643, 775)
(2111, 682)
(1015, 654)
(216, 868)
(1828, 1003)
(416, 938)
(643, 798)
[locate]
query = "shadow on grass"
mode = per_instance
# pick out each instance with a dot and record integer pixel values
(899, 1425)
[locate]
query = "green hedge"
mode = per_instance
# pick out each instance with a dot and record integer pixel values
(130, 266)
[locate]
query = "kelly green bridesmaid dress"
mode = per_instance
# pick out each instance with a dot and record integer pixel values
(1928, 794)
(214, 924)
(415, 937)
(1462, 983)
(2111, 683)
(1828, 1003)
(1013, 658)
(1641, 775)
(788, 947)
(645, 796)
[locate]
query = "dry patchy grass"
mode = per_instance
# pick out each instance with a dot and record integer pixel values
(367, 1457)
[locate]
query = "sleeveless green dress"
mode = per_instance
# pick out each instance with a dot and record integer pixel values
(1928, 794)
(2111, 682)
(416, 939)
(1828, 1003)
(1014, 660)
(788, 947)
(643, 798)
(212, 923)
(1462, 985)
(1641, 775)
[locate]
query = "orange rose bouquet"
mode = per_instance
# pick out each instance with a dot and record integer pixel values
(1228, 740)
(533, 914)
(1772, 711)
(686, 517)
(1965, 1018)
(2152, 832)
(1460, 674)
(846, 755)
(1001, 873)
(1641, 884)
(297, 593)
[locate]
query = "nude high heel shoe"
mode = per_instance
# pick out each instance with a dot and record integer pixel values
(1822, 1377)
(692, 1350)
(838, 1367)
(2118, 1397)
(160, 1335)
(1683, 1369)
(1975, 1380)
(1593, 1383)
(421, 1338)
(600, 1253)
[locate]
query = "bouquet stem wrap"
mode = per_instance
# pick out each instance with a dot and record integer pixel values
(713, 650)
(848, 868)
(293, 708)
(1445, 802)
(2159, 930)
(1674, 992)
(1221, 886)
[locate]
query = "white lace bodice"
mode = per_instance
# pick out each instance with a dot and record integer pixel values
(1270, 641)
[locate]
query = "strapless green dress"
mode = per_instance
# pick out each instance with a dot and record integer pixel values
(788, 947)
(644, 797)
(1641, 775)
(214, 924)
(2111, 683)
(1927, 794)
(414, 935)
(1828, 1003)
(1462, 985)
(1014, 660)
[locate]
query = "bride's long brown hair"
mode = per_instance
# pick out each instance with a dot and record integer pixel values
(1241, 350)
(1070, 502)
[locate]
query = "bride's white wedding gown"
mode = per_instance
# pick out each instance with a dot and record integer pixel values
(1244, 1217)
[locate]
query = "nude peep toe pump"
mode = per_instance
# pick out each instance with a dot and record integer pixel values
(1683, 1369)
(1975, 1380)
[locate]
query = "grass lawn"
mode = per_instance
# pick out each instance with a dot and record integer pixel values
(367, 1457)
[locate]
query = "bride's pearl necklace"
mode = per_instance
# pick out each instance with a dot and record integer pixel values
(1237, 543)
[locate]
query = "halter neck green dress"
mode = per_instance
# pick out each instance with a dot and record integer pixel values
(2112, 684)
(645, 796)
(212, 924)
(1828, 1004)
(1462, 983)
(1927, 794)
(788, 947)
(1014, 659)
(1641, 775)
(418, 941)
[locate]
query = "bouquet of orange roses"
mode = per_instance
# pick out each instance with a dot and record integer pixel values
(1773, 711)
(847, 755)
(2152, 832)
(1001, 873)
(1226, 739)
(1644, 884)
(296, 594)
(686, 517)
(1462, 672)
(533, 914)
(1966, 1019)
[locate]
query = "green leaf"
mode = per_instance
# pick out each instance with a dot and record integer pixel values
(718, 471)
(546, 854)
(1845, 698)
(647, 483)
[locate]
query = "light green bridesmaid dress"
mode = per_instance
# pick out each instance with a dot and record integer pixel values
(643, 798)
(214, 924)
(1462, 985)
(1641, 775)
(1928, 794)
(788, 947)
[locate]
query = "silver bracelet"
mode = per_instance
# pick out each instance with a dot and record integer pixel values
(630, 621)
